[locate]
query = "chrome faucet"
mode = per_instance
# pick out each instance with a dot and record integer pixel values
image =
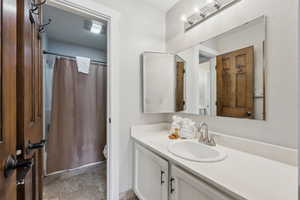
(205, 138)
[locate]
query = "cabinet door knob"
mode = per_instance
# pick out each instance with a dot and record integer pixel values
(171, 184)
(249, 114)
(162, 180)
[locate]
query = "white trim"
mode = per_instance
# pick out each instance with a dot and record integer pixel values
(77, 168)
(112, 17)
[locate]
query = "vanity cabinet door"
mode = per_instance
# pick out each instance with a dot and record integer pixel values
(150, 175)
(186, 186)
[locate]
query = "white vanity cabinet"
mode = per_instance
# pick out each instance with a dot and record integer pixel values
(186, 186)
(157, 179)
(150, 175)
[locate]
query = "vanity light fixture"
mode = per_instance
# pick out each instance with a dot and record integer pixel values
(217, 5)
(197, 10)
(183, 18)
(186, 20)
(211, 8)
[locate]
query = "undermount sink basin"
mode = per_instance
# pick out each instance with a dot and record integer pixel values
(194, 151)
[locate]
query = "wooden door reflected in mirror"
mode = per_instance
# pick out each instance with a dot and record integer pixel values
(180, 71)
(235, 75)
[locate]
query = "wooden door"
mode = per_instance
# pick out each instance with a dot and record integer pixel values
(186, 186)
(150, 175)
(235, 84)
(8, 42)
(180, 71)
(29, 96)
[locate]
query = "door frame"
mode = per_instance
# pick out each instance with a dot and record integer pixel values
(92, 8)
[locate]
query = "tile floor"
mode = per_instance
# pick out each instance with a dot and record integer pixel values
(83, 184)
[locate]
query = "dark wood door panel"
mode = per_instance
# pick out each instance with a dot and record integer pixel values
(29, 95)
(29, 77)
(8, 42)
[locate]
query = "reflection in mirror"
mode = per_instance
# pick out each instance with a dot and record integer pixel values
(180, 71)
(225, 74)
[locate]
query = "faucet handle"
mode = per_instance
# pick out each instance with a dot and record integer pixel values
(212, 141)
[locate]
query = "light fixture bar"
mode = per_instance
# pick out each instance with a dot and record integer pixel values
(209, 10)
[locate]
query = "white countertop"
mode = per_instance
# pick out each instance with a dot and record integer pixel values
(243, 175)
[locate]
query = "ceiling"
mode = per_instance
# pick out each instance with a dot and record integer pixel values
(69, 27)
(163, 5)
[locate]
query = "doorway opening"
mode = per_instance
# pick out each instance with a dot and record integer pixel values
(75, 105)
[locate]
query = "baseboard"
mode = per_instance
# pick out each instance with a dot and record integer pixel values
(128, 195)
(75, 169)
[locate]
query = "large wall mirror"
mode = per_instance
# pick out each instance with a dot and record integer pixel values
(223, 76)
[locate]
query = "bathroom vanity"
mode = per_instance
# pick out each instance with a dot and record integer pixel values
(160, 174)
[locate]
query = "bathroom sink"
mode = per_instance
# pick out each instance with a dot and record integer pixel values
(194, 151)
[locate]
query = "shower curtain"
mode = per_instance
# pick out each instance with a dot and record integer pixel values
(77, 133)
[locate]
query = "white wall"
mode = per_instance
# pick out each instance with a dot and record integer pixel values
(298, 93)
(142, 28)
(281, 52)
(204, 87)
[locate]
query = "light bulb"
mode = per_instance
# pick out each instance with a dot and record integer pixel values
(96, 27)
(197, 10)
(183, 18)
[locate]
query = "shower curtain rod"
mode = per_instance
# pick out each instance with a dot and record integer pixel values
(73, 57)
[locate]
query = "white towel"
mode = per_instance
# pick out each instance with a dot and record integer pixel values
(83, 64)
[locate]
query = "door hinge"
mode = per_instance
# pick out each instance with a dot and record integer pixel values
(109, 120)
(31, 147)
(21, 182)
